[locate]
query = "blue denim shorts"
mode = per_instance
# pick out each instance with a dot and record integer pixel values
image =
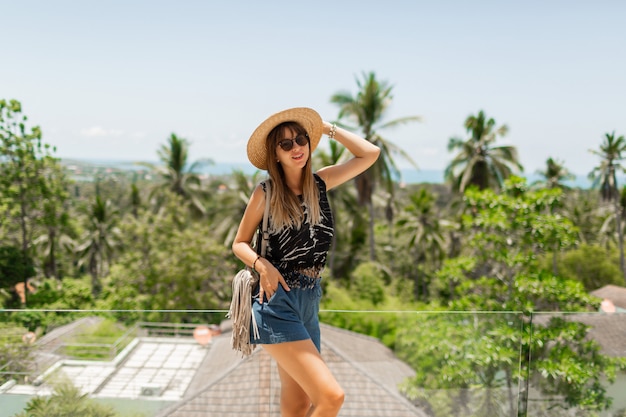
(289, 316)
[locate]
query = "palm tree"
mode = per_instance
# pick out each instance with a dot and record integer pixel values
(99, 241)
(555, 175)
(605, 175)
(367, 108)
(421, 223)
(478, 162)
(231, 204)
(54, 222)
(582, 208)
(177, 176)
(135, 199)
(66, 400)
(55, 237)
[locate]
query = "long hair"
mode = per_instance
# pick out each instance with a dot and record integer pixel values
(285, 207)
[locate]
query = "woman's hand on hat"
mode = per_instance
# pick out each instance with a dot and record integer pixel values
(269, 279)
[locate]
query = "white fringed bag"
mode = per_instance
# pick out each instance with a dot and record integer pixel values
(240, 311)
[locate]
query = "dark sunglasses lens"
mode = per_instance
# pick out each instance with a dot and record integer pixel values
(302, 140)
(286, 144)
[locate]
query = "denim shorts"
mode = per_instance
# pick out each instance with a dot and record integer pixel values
(289, 316)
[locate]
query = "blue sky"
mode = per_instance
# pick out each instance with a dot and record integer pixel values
(112, 79)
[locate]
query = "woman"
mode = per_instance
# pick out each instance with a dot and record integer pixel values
(301, 230)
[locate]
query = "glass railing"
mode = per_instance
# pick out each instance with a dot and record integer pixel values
(392, 363)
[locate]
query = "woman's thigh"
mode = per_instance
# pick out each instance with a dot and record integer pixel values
(302, 362)
(293, 400)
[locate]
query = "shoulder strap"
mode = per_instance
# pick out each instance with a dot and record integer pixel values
(265, 235)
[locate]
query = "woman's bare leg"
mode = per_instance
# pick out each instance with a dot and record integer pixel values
(293, 400)
(306, 372)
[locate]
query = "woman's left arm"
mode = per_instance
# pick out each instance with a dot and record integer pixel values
(365, 154)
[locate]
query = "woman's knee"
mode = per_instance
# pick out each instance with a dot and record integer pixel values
(332, 399)
(339, 397)
(295, 405)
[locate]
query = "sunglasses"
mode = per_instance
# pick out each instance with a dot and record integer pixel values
(287, 144)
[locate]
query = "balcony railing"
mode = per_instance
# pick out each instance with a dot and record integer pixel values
(420, 363)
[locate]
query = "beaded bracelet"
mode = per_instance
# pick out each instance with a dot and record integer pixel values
(254, 263)
(333, 130)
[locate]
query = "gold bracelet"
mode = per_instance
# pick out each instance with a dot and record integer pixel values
(333, 130)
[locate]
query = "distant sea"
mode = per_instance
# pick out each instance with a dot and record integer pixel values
(409, 175)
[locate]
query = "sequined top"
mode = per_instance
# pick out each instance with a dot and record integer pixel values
(304, 249)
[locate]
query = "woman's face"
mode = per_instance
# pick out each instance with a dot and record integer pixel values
(293, 150)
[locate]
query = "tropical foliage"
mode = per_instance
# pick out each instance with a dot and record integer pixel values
(178, 176)
(368, 109)
(478, 161)
(66, 401)
(470, 269)
(555, 175)
(98, 243)
(605, 175)
(478, 363)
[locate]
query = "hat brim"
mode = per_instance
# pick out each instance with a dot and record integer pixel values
(308, 118)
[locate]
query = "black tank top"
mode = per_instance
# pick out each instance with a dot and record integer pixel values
(306, 247)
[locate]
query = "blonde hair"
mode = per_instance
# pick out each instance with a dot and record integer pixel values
(285, 207)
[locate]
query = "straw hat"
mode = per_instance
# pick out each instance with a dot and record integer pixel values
(309, 119)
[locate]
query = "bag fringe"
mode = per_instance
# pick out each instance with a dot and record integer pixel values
(240, 312)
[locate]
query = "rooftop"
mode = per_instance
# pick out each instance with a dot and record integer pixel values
(192, 380)
(367, 370)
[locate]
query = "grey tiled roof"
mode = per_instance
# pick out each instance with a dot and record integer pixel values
(608, 329)
(616, 294)
(228, 386)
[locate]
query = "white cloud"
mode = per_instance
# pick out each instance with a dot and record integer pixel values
(99, 131)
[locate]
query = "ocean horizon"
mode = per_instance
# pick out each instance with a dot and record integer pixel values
(408, 175)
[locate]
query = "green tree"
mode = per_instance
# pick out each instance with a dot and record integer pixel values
(478, 162)
(368, 108)
(27, 176)
(178, 176)
(173, 263)
(55, 224)
(99, 241)
(135, 199)
(581, 207)
(421, 223)
(479, 360)
(511, 229)
(12, 265)
(590, 265)
(555, 175)
(231, 203)
(65, 401)
(350, 238)
(605, 176)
